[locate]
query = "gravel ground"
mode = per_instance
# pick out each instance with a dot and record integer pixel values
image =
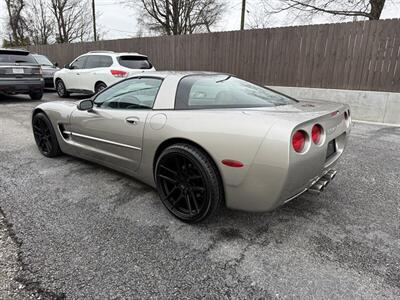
(77, 230)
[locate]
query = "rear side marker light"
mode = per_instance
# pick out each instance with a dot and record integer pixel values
(316, 133)
(299, 140)
(119, 73)
(232, 163)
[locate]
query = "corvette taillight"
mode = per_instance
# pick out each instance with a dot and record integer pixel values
(316, 133)
(119, 73)
(299, 140)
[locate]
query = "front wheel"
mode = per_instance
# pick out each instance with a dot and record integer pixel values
(188, 183)
(45, 137)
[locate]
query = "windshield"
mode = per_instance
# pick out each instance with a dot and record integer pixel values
(134, 62)
(16, 58)
(42, 60)
(225, 91)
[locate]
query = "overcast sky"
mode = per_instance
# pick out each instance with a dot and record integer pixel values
(119, 21)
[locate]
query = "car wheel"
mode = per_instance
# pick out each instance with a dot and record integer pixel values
(188, 183)
(99, 87)
(36, 95)
(45, 137)
(61, 89)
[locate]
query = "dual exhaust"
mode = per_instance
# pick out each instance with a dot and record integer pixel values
(321, 184)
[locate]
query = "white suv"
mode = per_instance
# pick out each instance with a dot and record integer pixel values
(94, 71)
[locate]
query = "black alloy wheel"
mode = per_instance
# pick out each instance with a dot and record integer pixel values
(45, 136)
(188, 183)
(61, 89)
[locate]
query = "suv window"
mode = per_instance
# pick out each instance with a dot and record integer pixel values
(79, 63)
(98, 61)
(134, 93)
(13, 57)
(134, 62)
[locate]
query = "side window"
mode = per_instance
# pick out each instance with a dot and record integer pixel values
(98, 61)
(79, 63)
(134, 93)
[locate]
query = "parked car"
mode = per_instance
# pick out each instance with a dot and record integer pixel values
(202, 139)
(20, 73)
(48, 69)
(94, 71)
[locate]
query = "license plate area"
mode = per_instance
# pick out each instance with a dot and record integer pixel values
(331, 149)
(18, 71)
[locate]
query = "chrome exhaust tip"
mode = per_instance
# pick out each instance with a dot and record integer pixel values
(317, 188)
(330, 175)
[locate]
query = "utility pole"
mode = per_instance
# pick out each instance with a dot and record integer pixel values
(94, 20)
(243, 14)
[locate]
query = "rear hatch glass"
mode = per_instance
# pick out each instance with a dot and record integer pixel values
(134, 62)
(16, 57)
(18, 64)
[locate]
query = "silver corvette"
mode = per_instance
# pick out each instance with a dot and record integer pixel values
(201, 139)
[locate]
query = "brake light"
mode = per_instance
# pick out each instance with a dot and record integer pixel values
(232, 163)
(316, 133)
(299, 140)
(119, 73)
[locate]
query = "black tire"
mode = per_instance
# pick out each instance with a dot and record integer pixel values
(188, 183)
(61, 89)
(99, 87)
(36, 95)
(45, 137)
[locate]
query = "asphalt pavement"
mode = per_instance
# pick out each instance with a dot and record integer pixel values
(72, 229)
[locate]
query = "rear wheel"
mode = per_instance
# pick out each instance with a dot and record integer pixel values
(45, 137)
(36, 95)
(188, 183)
(61, 89)
(99, 87)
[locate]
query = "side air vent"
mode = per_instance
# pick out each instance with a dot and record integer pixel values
(65, 134)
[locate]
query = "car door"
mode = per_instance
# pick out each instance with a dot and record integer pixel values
(72, 77)
(112, 132)
(93, 71)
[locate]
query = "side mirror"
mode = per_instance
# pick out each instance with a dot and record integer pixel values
(67, 66)
(56, 64)
(86, 104)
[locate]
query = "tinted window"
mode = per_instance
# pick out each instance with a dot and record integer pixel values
(79, 63)
(223, 91)
(135, 93)
(134, 62)
(42, 60)
(98, 61)
(16, 58)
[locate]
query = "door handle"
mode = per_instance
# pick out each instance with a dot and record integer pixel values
(132, 120)
(78, 74)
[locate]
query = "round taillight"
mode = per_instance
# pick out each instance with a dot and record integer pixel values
(299, 140)
(316, 133)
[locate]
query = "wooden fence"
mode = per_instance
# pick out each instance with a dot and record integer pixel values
(359, 55)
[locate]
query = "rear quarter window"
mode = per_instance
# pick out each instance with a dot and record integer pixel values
(134, 62)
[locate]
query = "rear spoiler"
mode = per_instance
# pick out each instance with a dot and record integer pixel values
(14, 52)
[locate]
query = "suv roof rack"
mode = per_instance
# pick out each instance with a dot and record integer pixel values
(101, 51)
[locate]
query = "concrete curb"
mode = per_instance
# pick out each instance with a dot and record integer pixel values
(378, 107)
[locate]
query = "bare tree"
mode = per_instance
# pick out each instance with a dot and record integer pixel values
(40, 21)
(73, 20)
(370, 9)
(174, 17)
(17, 35)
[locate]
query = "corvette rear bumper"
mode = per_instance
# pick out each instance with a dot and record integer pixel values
(278, 174)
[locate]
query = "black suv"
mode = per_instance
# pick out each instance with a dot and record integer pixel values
(20, 74)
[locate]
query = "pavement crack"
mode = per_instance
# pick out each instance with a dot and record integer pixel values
(34, 288)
